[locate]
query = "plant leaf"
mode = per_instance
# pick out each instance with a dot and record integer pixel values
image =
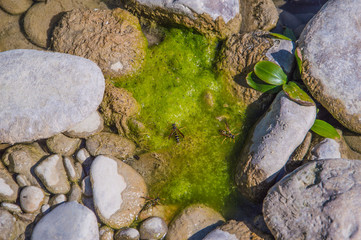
(270, 72)
(256, 83)
(294, 92)
(324, 129)
(298, 56)
(289, 34)
(280, 36)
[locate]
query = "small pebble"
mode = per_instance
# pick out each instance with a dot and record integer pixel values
(11, 207)
(153, 228)
(31, 199)
(127, 234)
(57, 199)
(22, 180)
(86, 187)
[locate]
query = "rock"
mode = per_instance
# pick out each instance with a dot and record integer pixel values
(11, 207)
(117, 106)
(83, 155)
(330, 61)
(111, 38)
(7, 225)
(319, 200)
(153, 228)
(106, 233)
(90, 126)
(42, 17)
(21, 159)
(75, 193)
(8, 187)
(45, 209)
(16, 7)
(127, 234)
(270, 144)
(240, 54)
(31, 199)
(326, 149)
(110, 144)
(63, 145)
(73, 173)
(353, 140)
(194, 222)
(52, 174)
(22, 181)
(57, 199)
(220, 235)
(58, 99)
(220, 18)
(86, 187)
(164, 211)
(117, 191)
(71, 221)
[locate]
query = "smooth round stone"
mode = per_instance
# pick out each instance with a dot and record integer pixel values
(62, 92)
(70, 221)
(153, 228)
(31, 199)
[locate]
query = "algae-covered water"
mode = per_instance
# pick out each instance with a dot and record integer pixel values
(179, 84)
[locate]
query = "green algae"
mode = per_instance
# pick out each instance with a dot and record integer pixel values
(178, 84)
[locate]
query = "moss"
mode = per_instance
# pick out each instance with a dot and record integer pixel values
(178, 85)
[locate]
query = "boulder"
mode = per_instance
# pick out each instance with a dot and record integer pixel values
(111, 38)
(57, 93)
(118, 191)
(331, 61)
(319, 200)
(270, 144)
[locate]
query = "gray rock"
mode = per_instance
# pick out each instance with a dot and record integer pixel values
(297, 157)
(110, 144)
(319, 200)
(127, 234)
(71, 221)
(153, 228)
(7, 225)
(270, 144)
(57, 93)
(57, 199)
(106, 233)
(238, 230)
(117, 191)
(21, 158)
(91, 125)
(220, 235)
(331, 61)
(194, 222)
(8, 187)
(63, 145)
(31, 199)
(52, 174)
(326, 149)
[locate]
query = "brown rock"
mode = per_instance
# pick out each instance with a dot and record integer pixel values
(243, 231)
(353, 140)
(15, 6)
(63, 145)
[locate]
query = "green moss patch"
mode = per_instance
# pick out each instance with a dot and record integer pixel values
(179, 85)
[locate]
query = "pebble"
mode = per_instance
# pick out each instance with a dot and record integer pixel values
(75, 193)
(11, 207)
(220, 235)
(63, 145)
(57, 199)
(31, 199)
(153, 228)
(7, 224)
(326, 149)
(22, 181)
(106, 233)
(73, 174)
(82, 155)
(86, 187)
(127, 234)
(93, 124)
(8, 187)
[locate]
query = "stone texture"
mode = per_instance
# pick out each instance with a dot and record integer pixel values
(15, 6)
(57, 199)
(75, 193)
(117, 191)
(353, 140)
(57, 94)
(52, 174)
(270, 144)
(331, 61)
(106, 233)
(31, 199)
(319, 200)
(153, 228)
(7, 225)
(221, 18)
(220, 235)
(63, 145)
(8, 187)
(194, 222)
(11, 207)
(127, 234)
(70, 221)
(111, 38)
(90, 126)
(326, 149)
(110, 144)
(243, 231)
(72, 170)
(86, 187)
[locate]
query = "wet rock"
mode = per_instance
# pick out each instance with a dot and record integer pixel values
(16, 7)
(318, 200)
(110, 144)
(117, 191)
(75, 193)
(11, 207)
(106, 233)
(153, 228)
(111, 38)
(353, 140)
(90, 126)
(8, 187)
(270, 144)
(63, 145)
(22, 158)
(52, 174)
(330, 66)
(221, 18)
(194, 222)
(86, 187)
(117, 106)
(31, 199)
(69, 221)
(220, 235)
(58, 99)
(326, 149)
(127, 234)
(7, 225)
(42, 17)
(57, 199)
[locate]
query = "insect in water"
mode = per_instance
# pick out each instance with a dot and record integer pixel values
(175, 132)
(227, 133)
(150, 202)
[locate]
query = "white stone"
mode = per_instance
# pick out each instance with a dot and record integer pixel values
(31, 199)
(11, 207)
(45, 93)
(48, 169)
(218, 234)
(82, 155)
(69, 167)
(326, 149)
(5, 189)
(22, 181)
(45, 208)
(89, 126)
(60, 198)
(118, 66)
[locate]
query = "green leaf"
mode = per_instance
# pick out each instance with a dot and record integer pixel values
(294, 92)
(289, 34)
(324, 129)
(270, 72)
(298, 56)
(256, 83)
(280, 36)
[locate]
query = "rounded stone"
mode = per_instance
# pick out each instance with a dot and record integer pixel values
(31, 199)
(56, 94)
(153, 228)
(127, 234)
(15, 6)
